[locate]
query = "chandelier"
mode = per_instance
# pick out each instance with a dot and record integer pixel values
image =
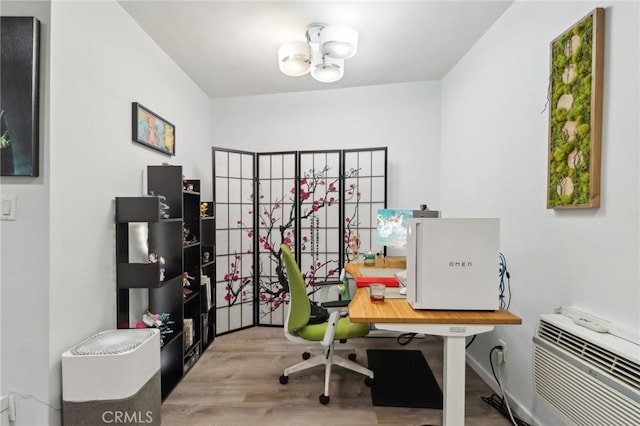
(322, 54)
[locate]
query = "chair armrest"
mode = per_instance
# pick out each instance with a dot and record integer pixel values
(335, 304)
(324, 288)
(326, 283)
(330, 332)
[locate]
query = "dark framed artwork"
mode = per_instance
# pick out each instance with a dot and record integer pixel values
(19, 96)
(153, 131)
(575, 115)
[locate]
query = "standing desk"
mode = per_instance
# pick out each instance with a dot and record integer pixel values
(453, 326)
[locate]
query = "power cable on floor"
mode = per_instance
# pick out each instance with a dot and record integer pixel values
(500, 403)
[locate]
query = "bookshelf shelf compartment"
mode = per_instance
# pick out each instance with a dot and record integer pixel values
(151, 253)
(192, 297)
(208, 256)
(137, 209)
(141, 275)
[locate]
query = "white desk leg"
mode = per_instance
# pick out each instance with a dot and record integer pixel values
(454, 375)
(454, 336)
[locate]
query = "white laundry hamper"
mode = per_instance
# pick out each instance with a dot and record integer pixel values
(113, 377)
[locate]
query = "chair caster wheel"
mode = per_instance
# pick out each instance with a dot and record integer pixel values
(368, 381)
(324, 399)
(306, 355)
(284, 379)
(352, 357)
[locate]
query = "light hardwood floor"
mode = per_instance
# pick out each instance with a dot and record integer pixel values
(236, 383)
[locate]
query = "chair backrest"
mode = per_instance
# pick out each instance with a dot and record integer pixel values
(299, 306)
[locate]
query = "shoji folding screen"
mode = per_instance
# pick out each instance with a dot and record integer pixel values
(323, 204)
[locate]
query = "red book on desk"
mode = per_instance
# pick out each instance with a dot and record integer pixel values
(388, 281)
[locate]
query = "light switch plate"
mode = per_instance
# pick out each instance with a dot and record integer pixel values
(9, 205)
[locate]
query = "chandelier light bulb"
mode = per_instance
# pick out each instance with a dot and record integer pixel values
(294, 58)
(328, 71)
(323, 53)
(339, 41)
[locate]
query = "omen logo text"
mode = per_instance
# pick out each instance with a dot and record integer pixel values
(460, 264)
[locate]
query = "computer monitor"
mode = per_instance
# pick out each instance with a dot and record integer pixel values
(391, 229)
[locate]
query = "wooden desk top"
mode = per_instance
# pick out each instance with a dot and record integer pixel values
(353, 269)
(399, 311)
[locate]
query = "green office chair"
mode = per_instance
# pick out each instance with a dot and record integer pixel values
(298, 329)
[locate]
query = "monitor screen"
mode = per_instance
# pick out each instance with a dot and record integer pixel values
(391, 229)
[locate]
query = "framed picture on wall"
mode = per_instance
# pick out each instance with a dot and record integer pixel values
(153, 131)
(19, 96)
(575, 115)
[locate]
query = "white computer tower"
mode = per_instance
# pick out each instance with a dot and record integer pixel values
(452, 264)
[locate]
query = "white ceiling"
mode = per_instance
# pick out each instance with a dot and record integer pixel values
(229, 48)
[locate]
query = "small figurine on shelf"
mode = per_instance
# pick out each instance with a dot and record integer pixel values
(206, 256)
(159, 321)
(164, 207)
(203, 209)
(154, 258)
(186, 282)
(188, 237)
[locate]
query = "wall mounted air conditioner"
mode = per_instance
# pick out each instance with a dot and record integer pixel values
(590, 378)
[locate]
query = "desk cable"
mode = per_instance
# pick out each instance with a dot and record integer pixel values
(405, 338)
(500, 403)
(503, 273)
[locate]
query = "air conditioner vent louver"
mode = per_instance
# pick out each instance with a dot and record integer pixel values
(590, 378)
(623, 369)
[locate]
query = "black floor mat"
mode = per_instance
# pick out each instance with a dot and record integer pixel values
(402, 378)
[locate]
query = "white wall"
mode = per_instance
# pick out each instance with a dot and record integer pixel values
(59, 287)
(494, 157)
(24, 257)
(403, 117)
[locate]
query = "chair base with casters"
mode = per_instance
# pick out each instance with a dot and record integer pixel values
(328, 358)
(351, 352)
(337, 328)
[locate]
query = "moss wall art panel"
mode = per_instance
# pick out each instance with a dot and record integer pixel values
(575, 115)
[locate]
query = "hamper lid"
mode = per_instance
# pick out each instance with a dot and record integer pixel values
(113, 342)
